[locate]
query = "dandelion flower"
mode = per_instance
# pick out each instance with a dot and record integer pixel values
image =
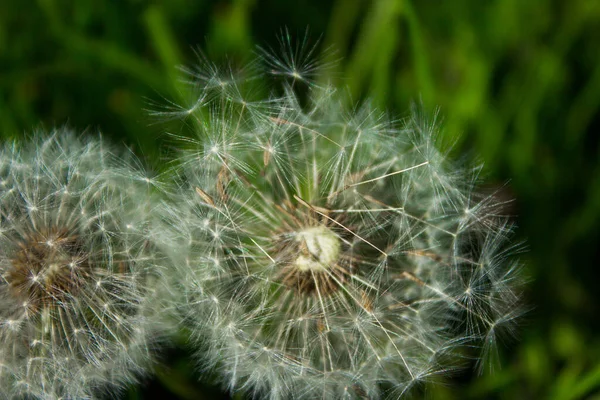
(327, 252)
(76, 272)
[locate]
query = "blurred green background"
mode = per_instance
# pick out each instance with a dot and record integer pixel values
(517, 81)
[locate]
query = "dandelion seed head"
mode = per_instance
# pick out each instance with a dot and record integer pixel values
(347, 264)
(71, 292)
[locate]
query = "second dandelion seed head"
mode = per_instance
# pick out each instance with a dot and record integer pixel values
(78, 271)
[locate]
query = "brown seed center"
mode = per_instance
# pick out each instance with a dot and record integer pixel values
(47, 268)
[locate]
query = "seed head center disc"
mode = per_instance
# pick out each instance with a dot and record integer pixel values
(319, 249)
(45, 270)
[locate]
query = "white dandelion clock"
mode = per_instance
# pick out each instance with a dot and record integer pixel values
(77, 274)
(327, 253)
